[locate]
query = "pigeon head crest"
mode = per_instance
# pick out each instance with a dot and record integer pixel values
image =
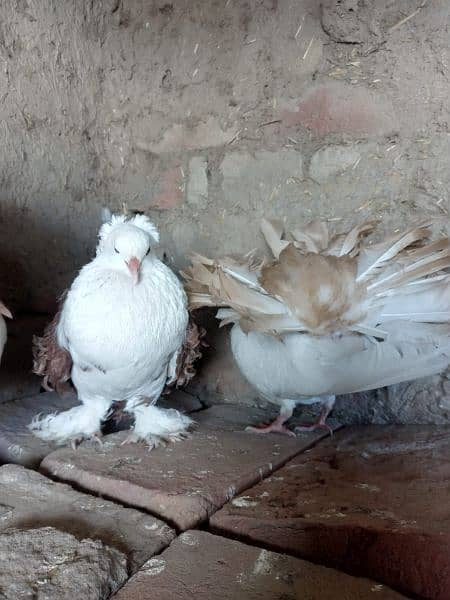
(122, 224)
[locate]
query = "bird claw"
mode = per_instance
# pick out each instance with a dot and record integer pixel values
(154, 441)
(131, 438)
(272, 427)
(313, 427)
(95, 438)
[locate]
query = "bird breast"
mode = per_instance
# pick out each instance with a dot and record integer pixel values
(108, 321)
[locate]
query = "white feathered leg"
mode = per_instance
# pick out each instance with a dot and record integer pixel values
(78, 423)
(155, 425)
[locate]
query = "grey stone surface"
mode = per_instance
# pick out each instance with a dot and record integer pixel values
(49, 564)
(372, 501)
(29, 500)
(17, 444)
(423, 401)
(262, 175)
(202, 566)
(197, 187)
(184, 482)
(218, 378)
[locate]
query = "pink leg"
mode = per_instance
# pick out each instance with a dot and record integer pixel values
(321, 421)
(276, 426)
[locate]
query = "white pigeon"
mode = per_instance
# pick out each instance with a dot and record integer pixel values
(328, 316)
(3, 331)
(119, 335)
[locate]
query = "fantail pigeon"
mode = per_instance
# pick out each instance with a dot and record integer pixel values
(121, 334)
(328, 316)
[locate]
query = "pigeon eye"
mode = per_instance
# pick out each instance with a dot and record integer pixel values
(115, 250)
(148, 252)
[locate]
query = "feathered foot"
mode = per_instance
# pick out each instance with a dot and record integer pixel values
(158, 427)
(276, 426)
(154, 441)
(78, 423)
(96, 438)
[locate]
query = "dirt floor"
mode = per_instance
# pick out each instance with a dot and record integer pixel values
(209, 115)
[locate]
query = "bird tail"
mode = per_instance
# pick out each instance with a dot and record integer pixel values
(408, 278)
(321, 283)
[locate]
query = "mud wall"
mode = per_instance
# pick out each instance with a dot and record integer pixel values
(208, 115)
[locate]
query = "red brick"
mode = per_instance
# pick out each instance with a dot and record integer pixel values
(372, 501)
(185, 482)
(170, 190)
(202, 566)
(341, 108)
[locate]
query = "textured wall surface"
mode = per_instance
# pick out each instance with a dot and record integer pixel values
(208, 115)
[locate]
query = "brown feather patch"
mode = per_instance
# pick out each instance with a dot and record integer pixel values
(320, 291)
(50, 361)
(319, 282)
(190, 352)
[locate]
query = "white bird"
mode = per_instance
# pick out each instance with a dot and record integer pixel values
(3, 331)
(328, 316)
(121, 335)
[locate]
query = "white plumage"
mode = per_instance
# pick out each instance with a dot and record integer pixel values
(328, 317)
(123, 324)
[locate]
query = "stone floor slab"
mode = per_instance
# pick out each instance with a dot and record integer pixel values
(48, 564)
(185, 482)
(28, 500)
(17, 444)
(373, 501)
(206, 567)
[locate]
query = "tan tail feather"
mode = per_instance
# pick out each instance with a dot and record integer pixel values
(272, 231)
(403, 277)
(314, 234)
(353, 238)
(304, 296)
(404, 241)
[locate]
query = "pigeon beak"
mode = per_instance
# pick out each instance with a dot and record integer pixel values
(5, 311)
(134, 267)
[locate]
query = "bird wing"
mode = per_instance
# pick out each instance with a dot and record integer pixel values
(412, 351)
(319, 365)
(320, 284)
(50, 360)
